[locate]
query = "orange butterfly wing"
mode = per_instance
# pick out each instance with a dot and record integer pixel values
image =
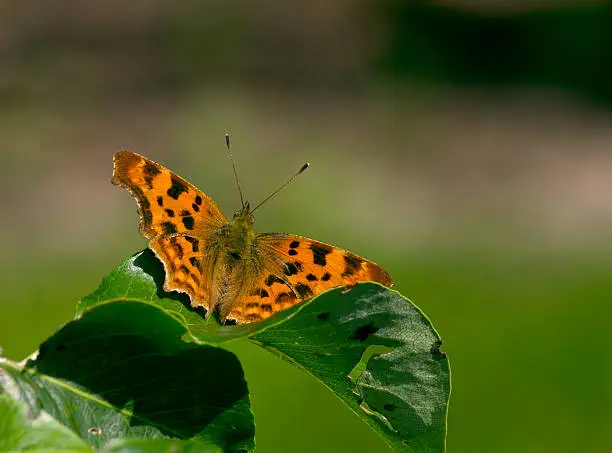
(166, 202)
(176, 216)
(298, 268)
(183, 265)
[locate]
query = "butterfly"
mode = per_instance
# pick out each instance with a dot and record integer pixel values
(224, 265)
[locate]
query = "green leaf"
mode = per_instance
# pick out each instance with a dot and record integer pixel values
(159, 445)
(379, 354)
(122, 370)
(370, 346)
(141, 278)
(18, 432)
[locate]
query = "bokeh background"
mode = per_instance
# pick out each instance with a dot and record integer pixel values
(464, 145)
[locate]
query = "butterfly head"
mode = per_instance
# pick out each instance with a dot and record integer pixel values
(244, 216)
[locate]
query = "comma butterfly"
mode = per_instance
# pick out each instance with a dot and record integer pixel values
(224, 265)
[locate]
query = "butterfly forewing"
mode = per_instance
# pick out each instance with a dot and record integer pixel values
(167, 203)
(298, 268)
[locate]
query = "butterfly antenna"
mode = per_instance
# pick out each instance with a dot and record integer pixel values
(229, 150)
(300, 171)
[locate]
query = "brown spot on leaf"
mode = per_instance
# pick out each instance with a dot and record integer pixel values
(363, 332)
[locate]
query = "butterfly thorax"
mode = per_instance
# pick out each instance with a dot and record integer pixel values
(240, 234)
(237, 261)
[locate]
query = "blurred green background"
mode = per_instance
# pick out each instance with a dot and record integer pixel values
(464, 145)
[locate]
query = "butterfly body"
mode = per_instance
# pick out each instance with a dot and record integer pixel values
(225, 265)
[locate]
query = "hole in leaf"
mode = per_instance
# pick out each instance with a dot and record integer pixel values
(370, 352)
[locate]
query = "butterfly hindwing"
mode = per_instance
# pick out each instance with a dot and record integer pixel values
(167, 203)
(182, 260)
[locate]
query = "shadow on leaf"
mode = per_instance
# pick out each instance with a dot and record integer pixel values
(132, 356)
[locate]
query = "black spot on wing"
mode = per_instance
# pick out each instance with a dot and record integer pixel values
(326, 276)
(160, 200)
(290, 269)
(194, 262)
(292, 252)
(195, 207)
(263, 293)
(198, 200)
(319, 251)
(273, 279)
(303, 290)
(311, 278)
(150, 169)
(352, 265)
(140, 196)
(177, 247)
(170, 212)
(195, 244)
(284, 297)
(177, 188)
(294, 245)
(188, 222)
(266, 307)
(168, 228)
